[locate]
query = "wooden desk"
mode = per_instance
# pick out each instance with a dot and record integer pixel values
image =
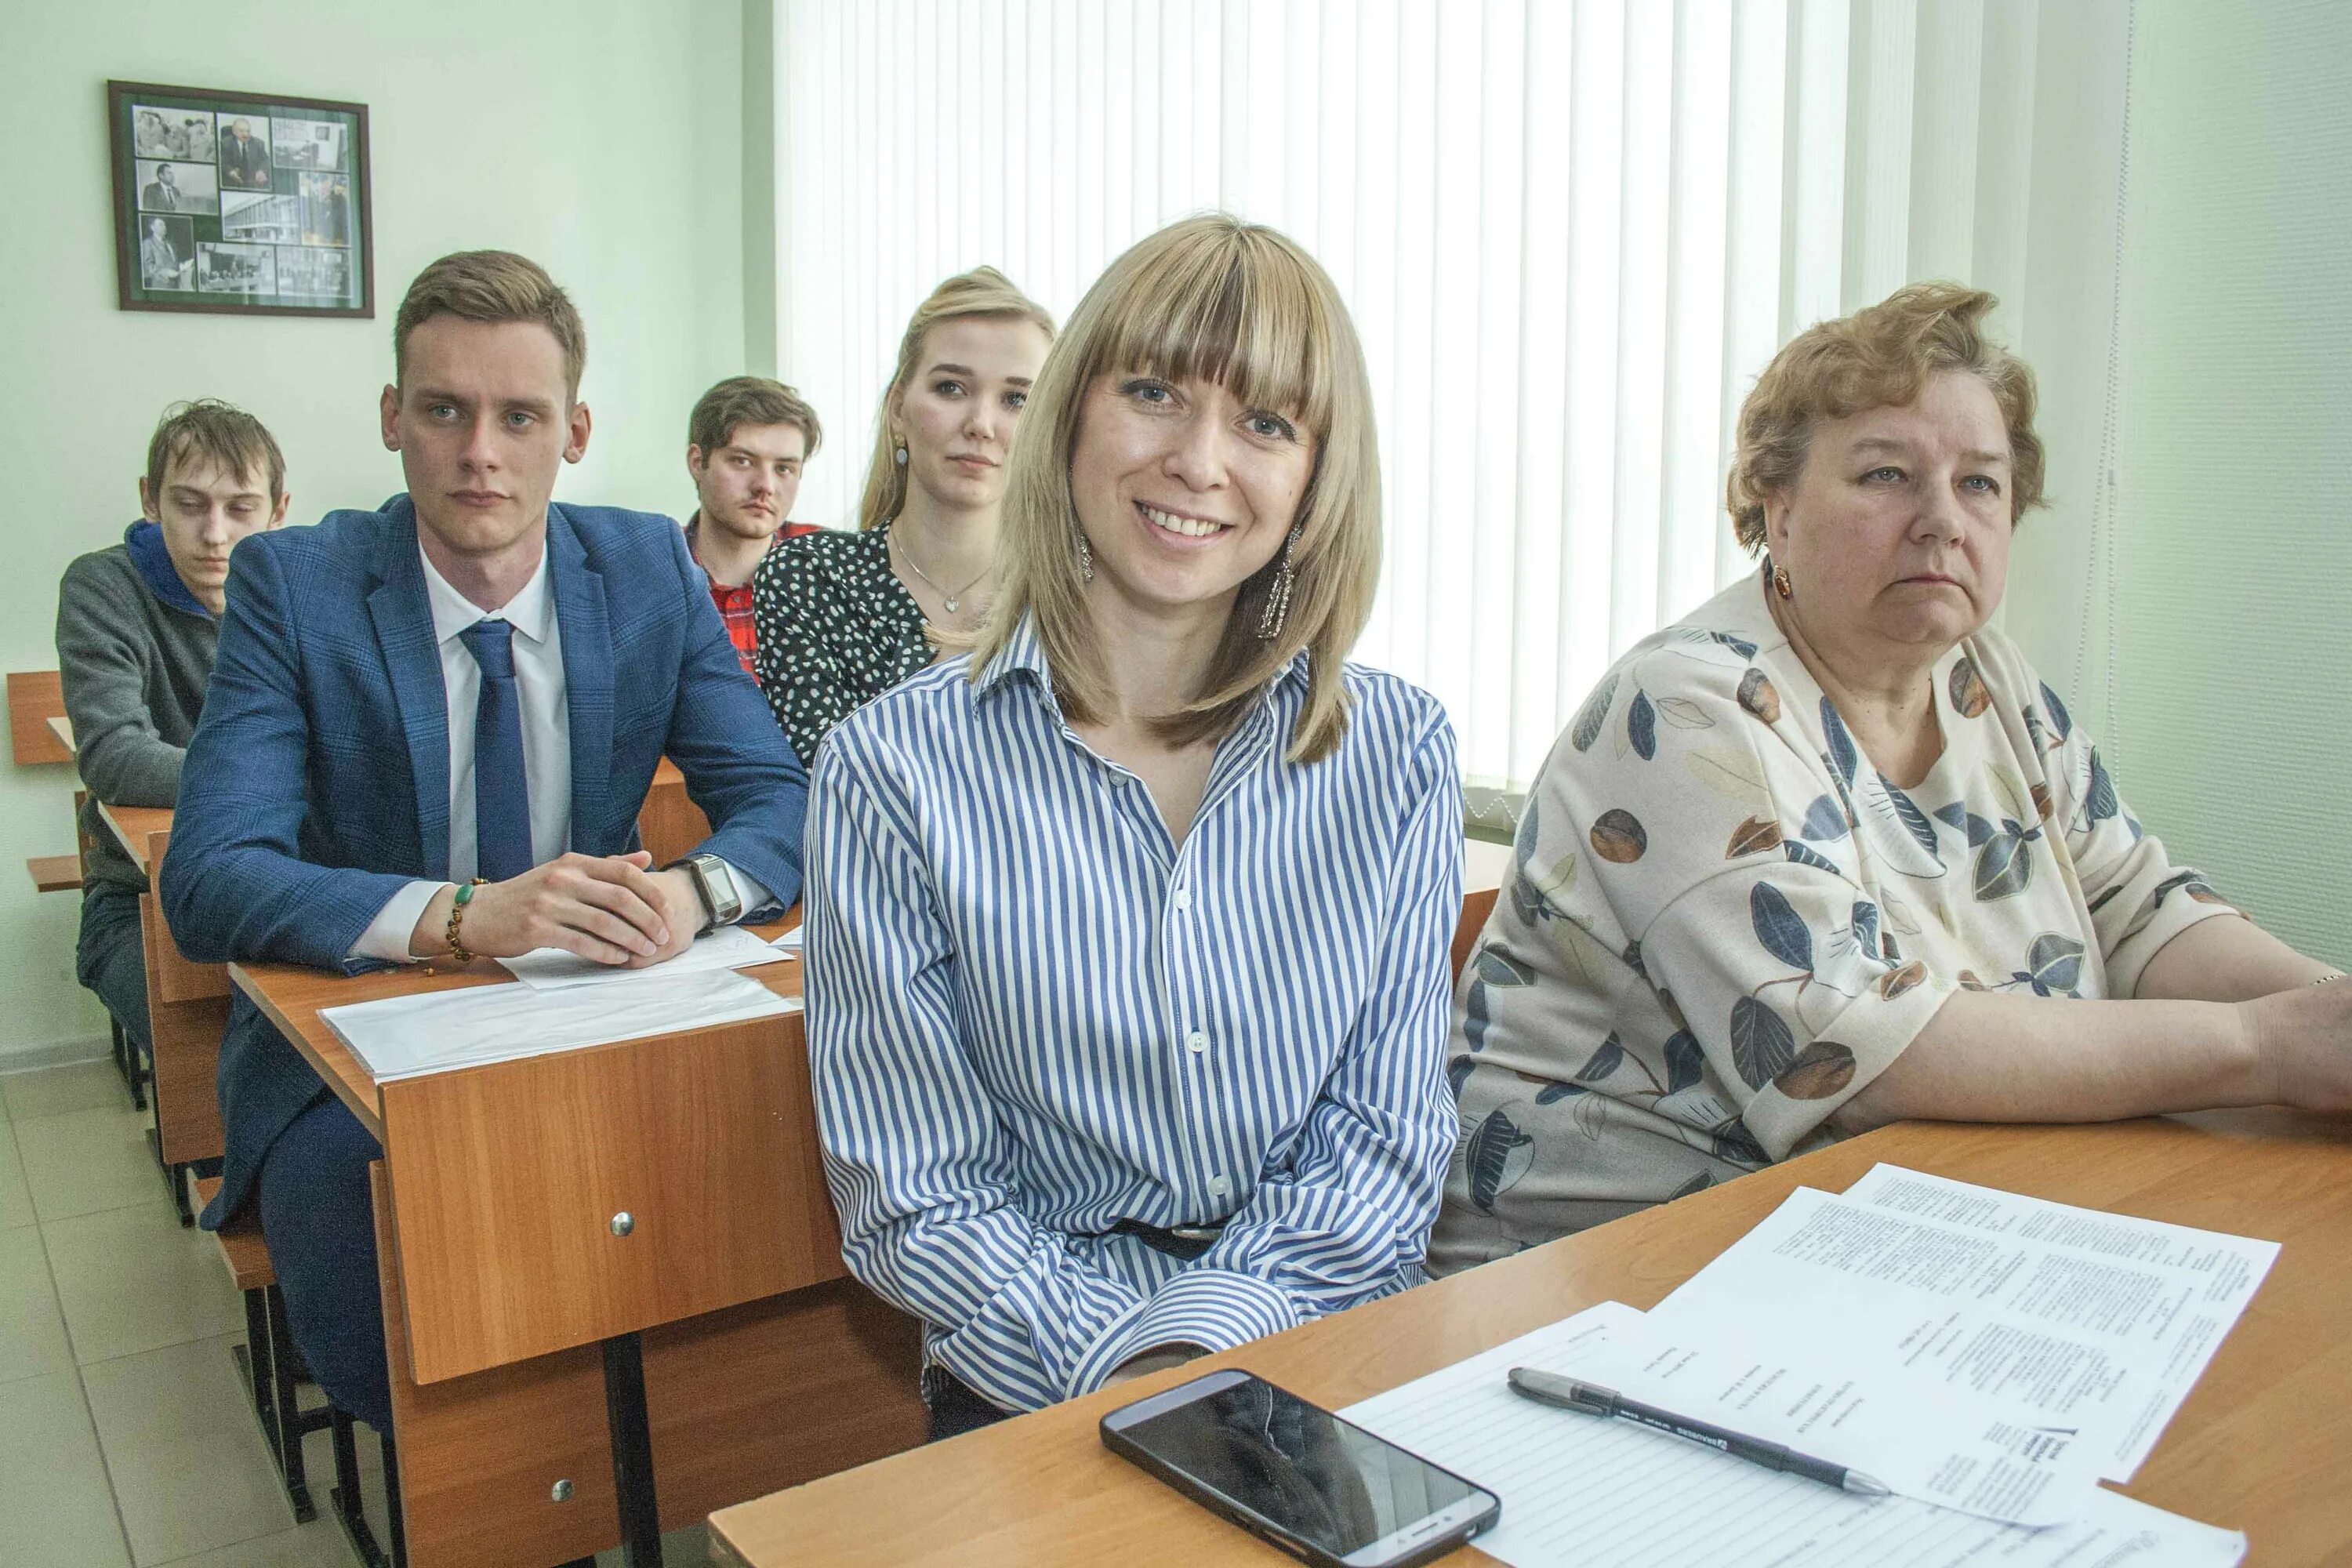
(187, 1004)
(506, 1280)
(187, 1008)
(669, 824)
(36, 697)
(2264, 1443)
(62, 728)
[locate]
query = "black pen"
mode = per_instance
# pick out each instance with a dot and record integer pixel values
(1589, 1399)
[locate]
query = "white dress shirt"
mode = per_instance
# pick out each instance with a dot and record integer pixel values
(546, 747)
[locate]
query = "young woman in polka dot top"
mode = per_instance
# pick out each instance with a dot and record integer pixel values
(843, 617)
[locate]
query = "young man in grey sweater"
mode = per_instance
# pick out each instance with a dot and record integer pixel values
(136, 625)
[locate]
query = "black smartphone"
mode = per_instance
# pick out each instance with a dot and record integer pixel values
(1297, 1476)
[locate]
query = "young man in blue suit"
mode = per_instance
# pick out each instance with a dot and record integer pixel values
(430, 730)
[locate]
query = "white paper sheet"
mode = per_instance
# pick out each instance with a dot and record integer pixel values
(788, 944)
(2080, 1342)
(728, 947)
(1578, 1492)
(405, 1036)
(2230, 1268)
(1954, 1450)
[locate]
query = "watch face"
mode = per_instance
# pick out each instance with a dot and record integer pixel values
(718, 883)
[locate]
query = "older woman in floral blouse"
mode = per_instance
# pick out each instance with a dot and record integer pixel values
(1829, 853)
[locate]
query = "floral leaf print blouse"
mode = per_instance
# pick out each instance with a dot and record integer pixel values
(836, 629)
(1722, 921)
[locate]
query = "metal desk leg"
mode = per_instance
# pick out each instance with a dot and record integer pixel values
(633, 1451)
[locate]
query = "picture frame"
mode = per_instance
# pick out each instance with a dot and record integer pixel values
(239, 203)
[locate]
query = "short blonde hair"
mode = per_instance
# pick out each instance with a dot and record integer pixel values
(492, 286)
(983, 292)
(1879, 357)
(1237, 303)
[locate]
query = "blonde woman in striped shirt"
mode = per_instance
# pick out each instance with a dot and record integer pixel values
(1128, 930)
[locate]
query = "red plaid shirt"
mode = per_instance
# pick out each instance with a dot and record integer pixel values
(735, 604)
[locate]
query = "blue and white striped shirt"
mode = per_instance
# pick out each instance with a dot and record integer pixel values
(1032, 1014)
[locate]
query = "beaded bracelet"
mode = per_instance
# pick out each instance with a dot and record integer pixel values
(457, 948)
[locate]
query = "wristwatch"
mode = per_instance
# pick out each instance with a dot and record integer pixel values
(714, 884)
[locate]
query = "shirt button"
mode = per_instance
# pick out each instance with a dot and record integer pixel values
(1183, 899)
(1219, 1186)
(1198, 1041)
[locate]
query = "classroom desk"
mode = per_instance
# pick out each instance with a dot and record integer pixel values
(515, 1296)
(2264, 1443)
(36, 697)
(187, 1004)
(187, 1007)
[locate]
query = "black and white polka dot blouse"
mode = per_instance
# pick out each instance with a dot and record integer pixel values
(836, 629)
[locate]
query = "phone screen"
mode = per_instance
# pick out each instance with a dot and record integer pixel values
(1304, 1469)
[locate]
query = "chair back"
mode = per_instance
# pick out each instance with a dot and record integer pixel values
(1476, 908)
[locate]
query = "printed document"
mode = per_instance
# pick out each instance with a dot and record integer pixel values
(407, 1037)
(1956, 1449)
(2077, 1327)
(728, 947)
(1578, 1490)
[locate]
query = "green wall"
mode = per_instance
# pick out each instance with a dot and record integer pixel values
(600, 137)
(2212, 607)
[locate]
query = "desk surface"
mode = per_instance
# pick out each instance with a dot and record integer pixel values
(141, 830)
(2263, 1444)
(293, 995)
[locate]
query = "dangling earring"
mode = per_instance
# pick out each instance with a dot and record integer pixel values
(1780, 580)
(1277, 596)
(1085, 556)
(899, 454)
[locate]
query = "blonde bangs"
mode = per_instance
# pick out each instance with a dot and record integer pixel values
(1211, 299)
(1228, 308)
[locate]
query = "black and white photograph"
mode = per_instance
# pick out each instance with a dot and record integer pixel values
(237, 175)
(175, 133)
(245, 151)
(306, 143)
(167, 252)
(317, 270)
(236, 269)
(178, 187)
(260, 217)
(326, 209)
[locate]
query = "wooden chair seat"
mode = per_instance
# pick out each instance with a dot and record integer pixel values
(241, 1246)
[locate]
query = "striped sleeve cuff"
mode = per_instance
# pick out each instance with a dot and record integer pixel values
(1215, 1309)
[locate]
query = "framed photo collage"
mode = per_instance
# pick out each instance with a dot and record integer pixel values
(239, 202)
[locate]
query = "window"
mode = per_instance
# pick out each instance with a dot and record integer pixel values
(1570, 235)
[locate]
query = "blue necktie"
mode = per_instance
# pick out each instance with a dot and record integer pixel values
(502, 797)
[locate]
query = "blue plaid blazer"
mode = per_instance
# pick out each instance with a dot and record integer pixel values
(318, 780)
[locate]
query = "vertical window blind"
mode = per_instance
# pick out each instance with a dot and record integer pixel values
(1570, 233)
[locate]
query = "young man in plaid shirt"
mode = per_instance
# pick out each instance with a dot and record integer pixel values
(745, 444)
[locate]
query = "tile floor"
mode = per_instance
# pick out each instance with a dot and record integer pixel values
(126, 1438)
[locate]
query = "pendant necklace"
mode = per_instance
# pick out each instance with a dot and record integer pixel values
(951, 600)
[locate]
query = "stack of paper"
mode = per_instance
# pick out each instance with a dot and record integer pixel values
(1989, 1357)
(1579, 1492)
(405, 1036)
(2068, 1321)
